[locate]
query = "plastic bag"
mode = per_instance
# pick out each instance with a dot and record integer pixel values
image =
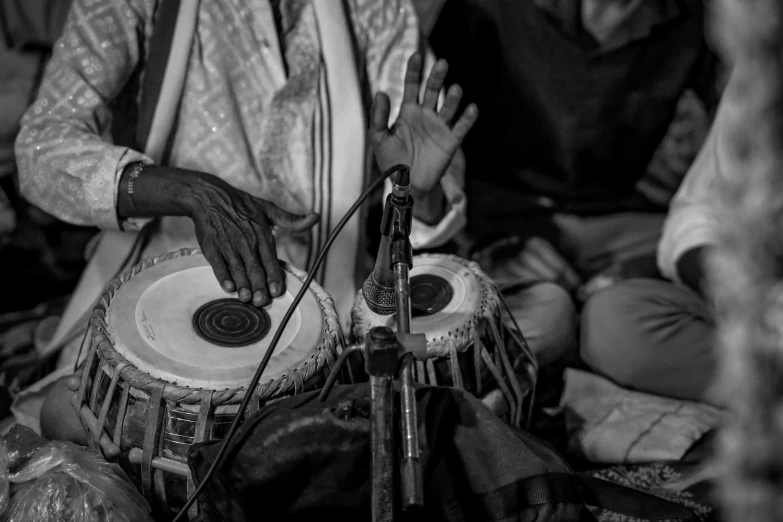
(64, 482)
(4, 483)
(21, 443)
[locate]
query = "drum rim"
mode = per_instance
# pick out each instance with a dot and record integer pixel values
(323, 357)
(460, 337)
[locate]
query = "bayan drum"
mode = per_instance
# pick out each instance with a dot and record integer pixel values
(458, 307)
(170, 353)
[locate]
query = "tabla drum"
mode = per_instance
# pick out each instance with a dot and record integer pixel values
(170, 356)
(458, 307)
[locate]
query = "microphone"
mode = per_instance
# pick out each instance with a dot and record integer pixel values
(378, 289)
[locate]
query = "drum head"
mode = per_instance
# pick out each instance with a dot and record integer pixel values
(153, 322)
(451, 293)
(433, 277)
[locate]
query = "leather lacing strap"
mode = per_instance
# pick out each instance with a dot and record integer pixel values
(155, 415)
(477, 366)
(203, 428)
(433, 375)
(120, 421)
(107, 401)
(81, 395)
(496, 373)
(96, 385)
(202, 432)
(500, 343)
(456, 372)
(421, 372)
(532, 366)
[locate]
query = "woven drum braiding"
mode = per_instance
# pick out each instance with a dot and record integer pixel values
(462, 335)
(186, 395)
(324, 358)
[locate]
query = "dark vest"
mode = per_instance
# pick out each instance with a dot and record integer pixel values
(558, 117)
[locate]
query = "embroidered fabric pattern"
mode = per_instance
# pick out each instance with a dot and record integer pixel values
(243, 117)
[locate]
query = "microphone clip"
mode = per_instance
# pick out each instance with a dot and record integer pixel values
(397, 220)
(396, 225)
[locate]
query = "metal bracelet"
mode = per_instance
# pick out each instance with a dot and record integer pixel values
(133, 174)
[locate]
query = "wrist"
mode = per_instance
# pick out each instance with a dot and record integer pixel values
(148, 190)
(428, 206)
(198, 189)
(192, 186)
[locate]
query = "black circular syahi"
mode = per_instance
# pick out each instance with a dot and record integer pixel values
(429, 294)
(231, 323)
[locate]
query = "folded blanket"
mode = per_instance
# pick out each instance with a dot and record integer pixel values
(611, 425)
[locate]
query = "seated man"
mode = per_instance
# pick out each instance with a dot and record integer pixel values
(565, 174)
(255, 112)
(655, 335)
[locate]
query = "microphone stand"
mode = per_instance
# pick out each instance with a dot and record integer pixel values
(381, 350)
(380, 361)
(402, 261)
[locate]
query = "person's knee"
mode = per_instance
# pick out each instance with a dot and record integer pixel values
(59, 419)
(629, 327)
(650, 335)
(612, 330)
(546, 315)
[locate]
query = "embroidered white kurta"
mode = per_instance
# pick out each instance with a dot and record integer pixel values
(247, 114)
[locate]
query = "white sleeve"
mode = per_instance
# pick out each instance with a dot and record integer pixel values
(694, 215)
(67, 162)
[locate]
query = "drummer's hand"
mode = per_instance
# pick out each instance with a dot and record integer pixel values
(423, 137)
(234, 231)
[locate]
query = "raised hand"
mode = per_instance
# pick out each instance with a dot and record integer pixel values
(423, 137)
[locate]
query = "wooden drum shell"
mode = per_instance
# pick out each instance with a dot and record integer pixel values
(468, 345)
(154, 422)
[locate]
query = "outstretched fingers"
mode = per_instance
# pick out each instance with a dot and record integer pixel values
(465, 122)
(451, 103)
(379, 116)
(435, 84)
(412, 84)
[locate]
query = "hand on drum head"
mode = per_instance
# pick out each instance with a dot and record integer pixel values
(234, 231)
(233, 228)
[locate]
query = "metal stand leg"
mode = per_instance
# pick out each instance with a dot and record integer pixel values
(336, 370)
(381, 362)
(411, 474)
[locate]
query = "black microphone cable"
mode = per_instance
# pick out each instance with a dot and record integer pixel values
(251, 390)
